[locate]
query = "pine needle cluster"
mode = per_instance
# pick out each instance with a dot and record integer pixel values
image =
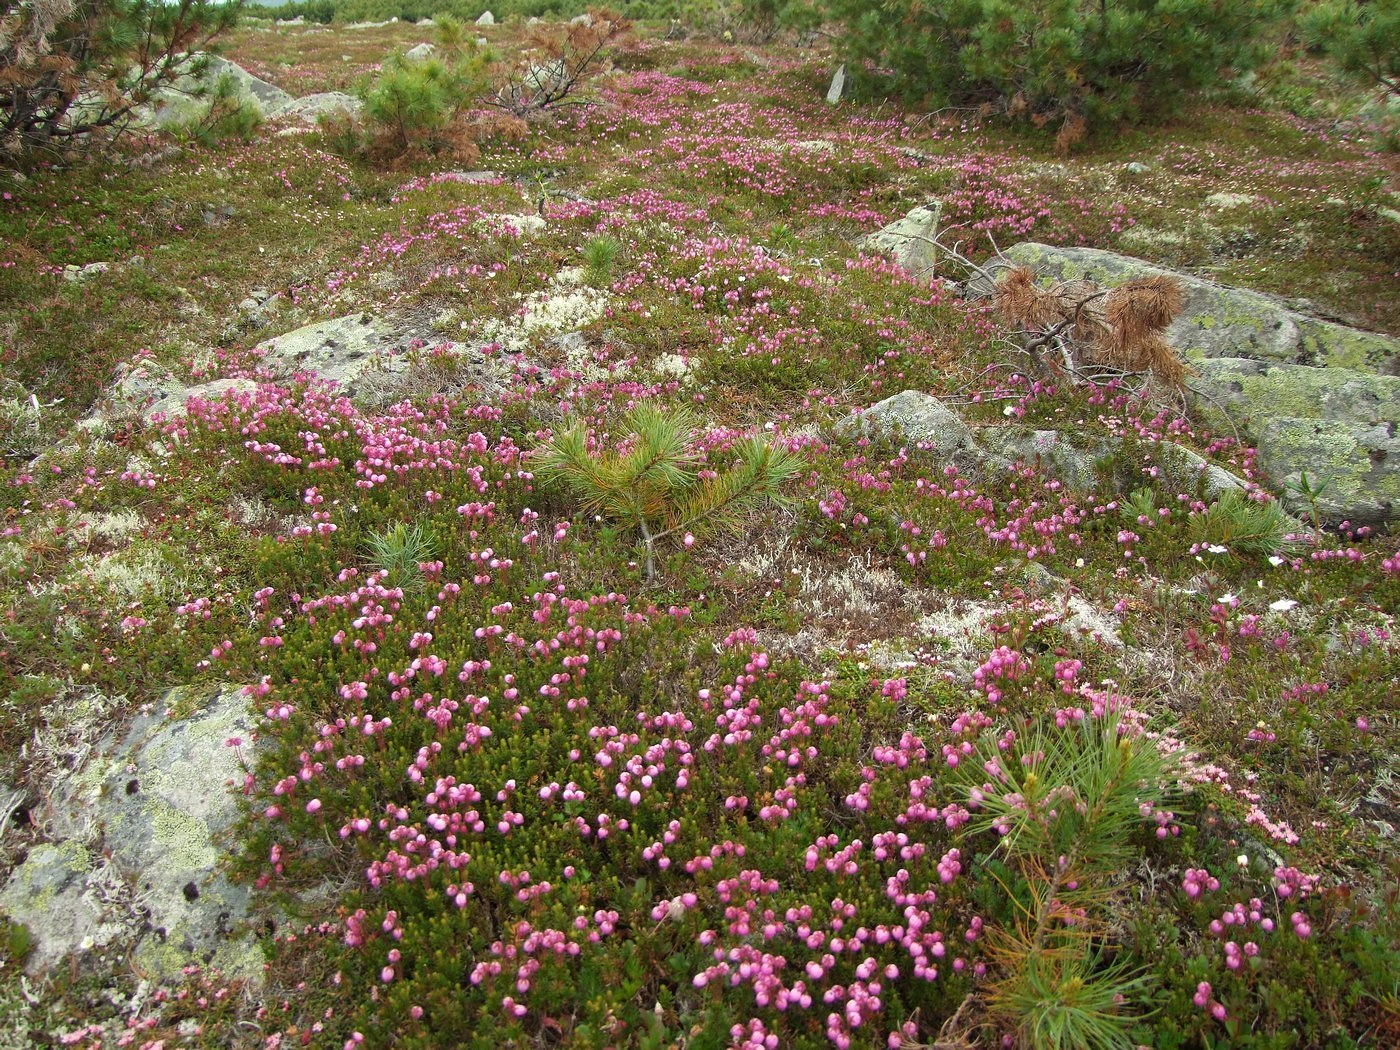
(1121, 327)
(658, 482)
(1067, 804)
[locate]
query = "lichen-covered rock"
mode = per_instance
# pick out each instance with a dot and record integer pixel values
(1220, 321)
(909, 239)
(162, 800)
(342, 350)
(48, 895)
(914, 416)
(1338, 425)
(1105, 461)
(310, 108)
(140, 835)
(180, 100)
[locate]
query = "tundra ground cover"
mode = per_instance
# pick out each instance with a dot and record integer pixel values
(836, 782)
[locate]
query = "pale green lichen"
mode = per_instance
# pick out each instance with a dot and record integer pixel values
(183, 838)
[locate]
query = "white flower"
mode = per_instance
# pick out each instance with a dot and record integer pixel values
(1275, 560)
(1242, 860)
(1216, 548)
(1282, 605)
(1229, 599)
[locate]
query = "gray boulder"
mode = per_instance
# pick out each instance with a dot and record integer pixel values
(1221, 321)
(1338, 425)
(914, 416)
(1099, 464)
(486, 19)
(909, 239)
(419, 52)
(148, 389)
(1313, 396)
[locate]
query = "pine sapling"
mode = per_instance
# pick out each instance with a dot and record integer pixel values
(658, 482)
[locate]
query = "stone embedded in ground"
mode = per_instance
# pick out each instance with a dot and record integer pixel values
(486, 19)
(1099, 464)
(909, 240)
(915, 416)
(838, 85)
(83, 274)
(148, 814)
(49, 896)
(310, 108)
(419, 52)
(1338, 425)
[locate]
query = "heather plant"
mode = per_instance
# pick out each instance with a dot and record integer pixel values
(658, 482)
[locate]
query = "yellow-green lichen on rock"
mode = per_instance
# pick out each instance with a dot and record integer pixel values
(1223, 321)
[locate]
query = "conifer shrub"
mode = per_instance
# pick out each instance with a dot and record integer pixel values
(1363, 38)
(1069, 64)
(74, 72)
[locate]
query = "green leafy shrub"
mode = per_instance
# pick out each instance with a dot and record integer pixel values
(1067, 61)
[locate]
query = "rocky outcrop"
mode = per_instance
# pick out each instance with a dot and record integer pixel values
(310, 108)
(1312, 395)
(1221, 321)
(138, 846)
(1101, 462)
(1337, 425)
(913, 416)
(186, 97)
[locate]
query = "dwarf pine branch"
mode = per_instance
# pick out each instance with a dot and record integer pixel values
(1066, 806)
(654, 482)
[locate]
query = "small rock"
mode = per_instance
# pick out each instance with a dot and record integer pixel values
(909, 239)
(838, 85)
(419, 52)
(915, 416)
(1137, 167)
(486, 19)
(82, 274)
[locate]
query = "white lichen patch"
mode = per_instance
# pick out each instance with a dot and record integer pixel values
(554, 311)
(134, 573)
(521, 226)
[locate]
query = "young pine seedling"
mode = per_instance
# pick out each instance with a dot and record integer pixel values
(654, 483)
